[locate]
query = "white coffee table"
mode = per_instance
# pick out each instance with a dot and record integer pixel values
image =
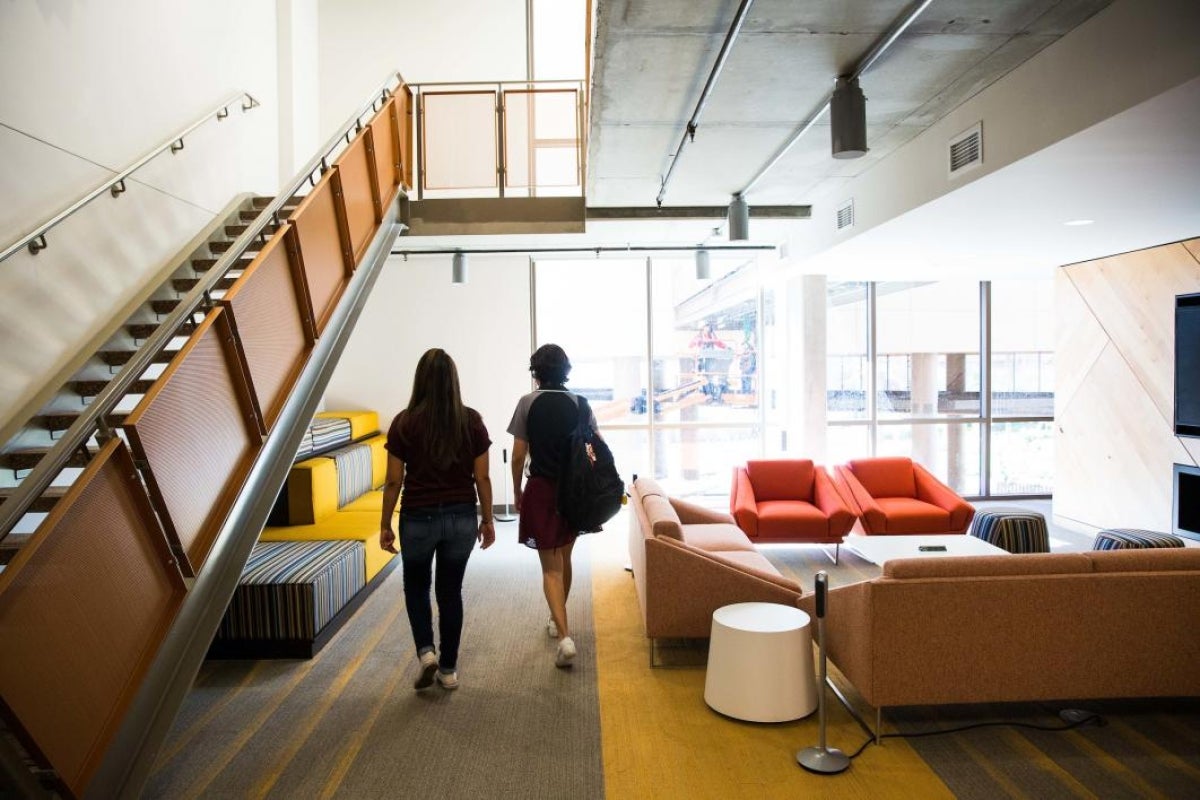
(880, 548)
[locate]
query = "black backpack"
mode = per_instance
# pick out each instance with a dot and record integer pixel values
(590, 490)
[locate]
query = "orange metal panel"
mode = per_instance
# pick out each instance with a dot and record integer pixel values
(198, 435)
(83, 609)
(324, 245)
(384, 145)
(269, 317)
(404, 128)
(356, 169)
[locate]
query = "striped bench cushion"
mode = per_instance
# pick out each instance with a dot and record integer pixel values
(1133, 539)
(355, 472)
(1016, 530)
(291, 590)
(322, 433)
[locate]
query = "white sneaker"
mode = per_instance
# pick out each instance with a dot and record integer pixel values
(552, 629)
(429, 666)
(566, 652)
(447, 680)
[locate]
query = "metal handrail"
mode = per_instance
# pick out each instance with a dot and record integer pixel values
(92, 418)
(36, 240)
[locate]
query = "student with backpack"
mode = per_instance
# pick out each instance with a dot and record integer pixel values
(543, 426)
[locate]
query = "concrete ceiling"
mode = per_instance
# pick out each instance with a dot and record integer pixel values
(652, 60)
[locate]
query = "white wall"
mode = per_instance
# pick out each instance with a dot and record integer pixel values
(361, 41)
(299, 78)
(88, 87)
(1126, 54)
(483, 324)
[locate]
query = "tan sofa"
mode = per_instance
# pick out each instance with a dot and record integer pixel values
(1109, 624)
(689, 561)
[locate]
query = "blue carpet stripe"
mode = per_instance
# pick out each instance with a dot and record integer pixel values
(290, 590)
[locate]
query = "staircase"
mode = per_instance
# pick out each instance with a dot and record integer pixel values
(22, 453)
(89, 697)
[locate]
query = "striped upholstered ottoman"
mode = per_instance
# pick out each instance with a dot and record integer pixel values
(1016, 530)
(288, 595)
(1133, 539)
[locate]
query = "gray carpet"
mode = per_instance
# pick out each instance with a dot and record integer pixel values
(348, 724)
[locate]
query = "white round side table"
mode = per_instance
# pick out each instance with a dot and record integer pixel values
(760, 663)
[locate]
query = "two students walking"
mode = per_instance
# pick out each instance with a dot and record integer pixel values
(438, 459)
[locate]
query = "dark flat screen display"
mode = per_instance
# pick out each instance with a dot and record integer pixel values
(1187, 365)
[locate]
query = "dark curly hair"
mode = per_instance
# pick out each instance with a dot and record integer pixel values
(550, 365)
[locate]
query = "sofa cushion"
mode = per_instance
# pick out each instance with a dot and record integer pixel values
(344, 525)
(716, 537)
(372, 501)
(782, 479)
(886, 477)
(362, 423)
(355, 471)
(988, 566)
(1152, 560)
(662, 517)
(647, 487)
(778, 518)
(756, 564)
(908, 515)
(312, 491)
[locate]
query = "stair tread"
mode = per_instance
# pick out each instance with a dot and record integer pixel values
(28, 457)
(42, 504)
(93, 388)
(116, 358)
(187, 284)
(205, 264)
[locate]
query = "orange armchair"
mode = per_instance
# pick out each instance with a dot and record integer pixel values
(899, 496)
(788, 500)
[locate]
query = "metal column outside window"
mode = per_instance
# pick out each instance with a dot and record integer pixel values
(985, 388)
(872, 367)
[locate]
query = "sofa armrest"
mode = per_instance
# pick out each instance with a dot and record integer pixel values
(742, 504)
(692, 514)
(832, 504)
(931, 490)
(860, 500)
(849, 635)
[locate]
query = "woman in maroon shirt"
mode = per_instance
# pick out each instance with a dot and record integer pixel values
(438, 456)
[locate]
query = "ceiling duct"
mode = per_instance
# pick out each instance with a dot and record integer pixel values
(966, 150)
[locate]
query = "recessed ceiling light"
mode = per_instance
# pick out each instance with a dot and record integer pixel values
(1078, 222)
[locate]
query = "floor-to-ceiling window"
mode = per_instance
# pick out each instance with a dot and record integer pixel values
(909, 372)
(669, 361)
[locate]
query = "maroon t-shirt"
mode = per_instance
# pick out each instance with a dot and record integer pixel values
(425, 484)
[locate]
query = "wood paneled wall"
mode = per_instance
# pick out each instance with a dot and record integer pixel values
(1114, 396)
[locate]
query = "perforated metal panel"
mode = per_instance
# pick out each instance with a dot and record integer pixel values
(268, 310)
(404, 130)
(324, 246)
(385, 150)
(197, 432)
(83, 609)
(356, 168)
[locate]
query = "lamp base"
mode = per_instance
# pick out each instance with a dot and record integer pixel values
(828, 761)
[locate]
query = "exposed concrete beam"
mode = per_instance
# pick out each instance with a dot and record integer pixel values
(694, 212)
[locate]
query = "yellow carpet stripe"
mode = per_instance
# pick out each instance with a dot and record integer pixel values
(252, 728)
(656, 730)
(185, 737)
(315, 714)
(350, 752)
(1156, 751)
(1026, 748)
(1119, 771)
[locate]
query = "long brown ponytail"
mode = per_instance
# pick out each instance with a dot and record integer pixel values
(436, 404)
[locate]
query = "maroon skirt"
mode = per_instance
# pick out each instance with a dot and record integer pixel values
(541, 528)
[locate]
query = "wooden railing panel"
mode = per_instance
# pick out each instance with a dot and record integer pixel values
(384, 145)
(404, 131)
(83, 609)
(325, 254)
(272, 323)
(360, 199)
(197, 432)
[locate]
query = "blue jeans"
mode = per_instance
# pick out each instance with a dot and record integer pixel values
(447, 532)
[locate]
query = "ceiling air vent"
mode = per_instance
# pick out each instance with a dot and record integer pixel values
(966, 149)
(845, 215)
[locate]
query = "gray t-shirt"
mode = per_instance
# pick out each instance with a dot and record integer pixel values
(546, 418)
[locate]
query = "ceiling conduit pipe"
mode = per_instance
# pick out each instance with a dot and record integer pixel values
(864, 63)
(689, 131)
